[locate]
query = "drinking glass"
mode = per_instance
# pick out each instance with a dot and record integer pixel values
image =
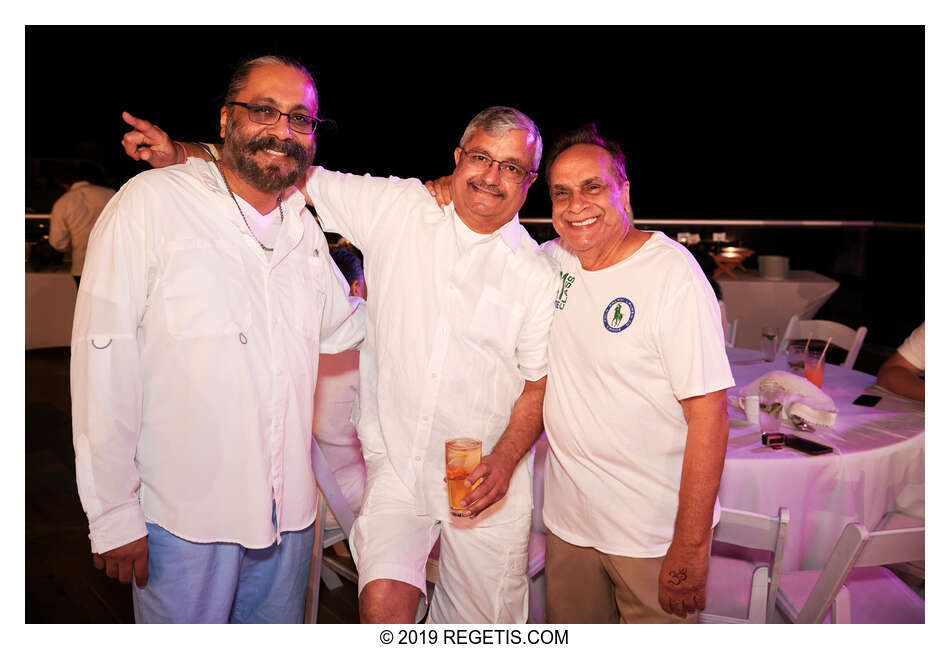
(771, 396)
(462, 455)
(796, 357)
(769, 343)
(814, 367)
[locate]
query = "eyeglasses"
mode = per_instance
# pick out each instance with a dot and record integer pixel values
(509, 171)
(264, 114)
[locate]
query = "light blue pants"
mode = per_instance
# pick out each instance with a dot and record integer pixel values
(223, 582)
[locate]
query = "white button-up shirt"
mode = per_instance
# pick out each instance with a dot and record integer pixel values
(456, 324)
(194, 361)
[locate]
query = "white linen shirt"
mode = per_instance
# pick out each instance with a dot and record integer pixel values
(194, 361)
(455, 328)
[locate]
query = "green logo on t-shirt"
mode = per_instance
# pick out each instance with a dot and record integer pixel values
(566, 281)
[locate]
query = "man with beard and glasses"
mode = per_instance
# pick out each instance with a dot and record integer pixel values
(208, 294)
(456, 347)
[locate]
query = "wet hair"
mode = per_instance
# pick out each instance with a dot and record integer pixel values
(498, 120)
(349, 262)
(239, 78)
(587, 134)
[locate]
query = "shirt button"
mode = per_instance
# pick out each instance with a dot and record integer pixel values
(418, 459)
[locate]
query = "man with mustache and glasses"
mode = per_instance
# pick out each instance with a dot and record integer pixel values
(207, 296)
(457, 347)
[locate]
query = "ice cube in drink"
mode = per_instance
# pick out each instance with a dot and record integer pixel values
(462, 455)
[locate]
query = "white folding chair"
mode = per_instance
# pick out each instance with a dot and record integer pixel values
(853, 587)
(899, 520)
(730, 333)
(330, 568)
(740, 591)
(841, 335)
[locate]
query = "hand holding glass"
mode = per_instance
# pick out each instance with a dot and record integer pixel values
(462, 456)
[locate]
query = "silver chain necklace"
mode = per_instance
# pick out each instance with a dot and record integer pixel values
(234, 198)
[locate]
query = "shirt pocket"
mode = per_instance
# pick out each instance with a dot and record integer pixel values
(309, 296)
(496, 321)
(204, 291)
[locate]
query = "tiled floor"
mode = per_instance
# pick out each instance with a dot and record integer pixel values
(61, 583)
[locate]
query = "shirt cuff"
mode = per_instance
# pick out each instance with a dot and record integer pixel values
(117, 528)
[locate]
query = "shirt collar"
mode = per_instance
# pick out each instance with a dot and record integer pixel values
(207, 172)
(510, 232)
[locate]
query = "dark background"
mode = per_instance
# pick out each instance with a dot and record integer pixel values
(719, 122)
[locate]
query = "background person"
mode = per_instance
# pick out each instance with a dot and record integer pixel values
(335, 400)
(75, 213)
(903, 372)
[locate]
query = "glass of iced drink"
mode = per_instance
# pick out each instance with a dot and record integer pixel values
(796, 357)
(462, 455)
(814, 367)
(770, 406)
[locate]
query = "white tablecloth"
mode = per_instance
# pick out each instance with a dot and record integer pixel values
(877, 466)
(50, 302)
(758, 302)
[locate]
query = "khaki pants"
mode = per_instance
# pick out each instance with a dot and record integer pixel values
(585, 585)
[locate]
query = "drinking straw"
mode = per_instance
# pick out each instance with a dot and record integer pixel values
(822, 359)
(808, 342)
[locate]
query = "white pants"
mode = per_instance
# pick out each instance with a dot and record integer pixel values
(482, 567)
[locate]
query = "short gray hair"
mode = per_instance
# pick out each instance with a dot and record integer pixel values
(239, 78)
(498, 120)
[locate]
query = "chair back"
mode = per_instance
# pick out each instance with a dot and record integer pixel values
(730, 333)
(886, 547)
(839, 564)
(842, 335)
(759, 532)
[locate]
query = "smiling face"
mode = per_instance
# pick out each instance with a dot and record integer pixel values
(483, 199)
(272, 157)
(590, 207)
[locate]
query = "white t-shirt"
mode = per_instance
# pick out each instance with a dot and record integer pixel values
(627, 343)
(456, 323)
(912, 349)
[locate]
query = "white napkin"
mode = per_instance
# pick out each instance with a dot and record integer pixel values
(802, 399)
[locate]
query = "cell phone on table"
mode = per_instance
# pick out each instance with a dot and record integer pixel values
(868, 400)
(806, 445)
(778, 440)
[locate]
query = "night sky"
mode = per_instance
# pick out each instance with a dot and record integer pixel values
(717, 122)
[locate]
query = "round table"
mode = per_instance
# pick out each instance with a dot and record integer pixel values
(877, 466)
